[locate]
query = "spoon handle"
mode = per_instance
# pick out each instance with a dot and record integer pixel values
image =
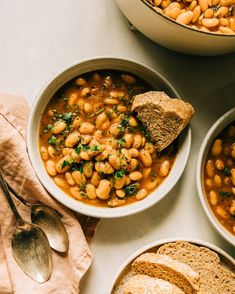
(21, 199)
(8, 197)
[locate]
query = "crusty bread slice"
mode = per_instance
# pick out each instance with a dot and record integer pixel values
(164, 267)
(163, 116)
(214, 278)
(143, 284)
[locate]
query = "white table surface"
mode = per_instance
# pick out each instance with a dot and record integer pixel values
(40, 38)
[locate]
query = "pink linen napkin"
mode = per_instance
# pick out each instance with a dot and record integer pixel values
(68, 268)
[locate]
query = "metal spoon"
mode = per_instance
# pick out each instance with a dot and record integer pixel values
(48, 220)
(30, 246)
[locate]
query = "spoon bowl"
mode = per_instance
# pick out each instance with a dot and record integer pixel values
(48, 220)
(31, 251)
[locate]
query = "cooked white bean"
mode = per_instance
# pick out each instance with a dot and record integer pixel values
(75, 191)
(50, 167)
(116, 202)
(88, 169)
(210, 168)
(111, 101)
(219, 164)
(103, 189)
(141, 194)
(115, 130)
(221, 212)
(79, 177)
(149, 147)
(145, 157)
(125, 154)
(105, 125)
(72, 98)
(120, 193)
(51, 152)
(58, 127)
(44, 153)
(72, 139)
(85, 91)
(88, 108)
(128, 140)
(232, 208)
(133, 164)
(69, 179)
(135, 175)
(213, 197)
(164, 168)
(210, 22)
(67, 151)
(80, 82)
(91, 191)
(233, 176)
(128, 79)
(137, 141)
(196, 14)
(133, 152)
(60, 182)
(95, 179)
(122, 108)
(115, 161)
(85, 139)
(84, 155)
(133, 122)
(86, 128)
(209, 183)
(185, 17)
(146, 171)
(153, 183)
(218, 181)
(203, 4)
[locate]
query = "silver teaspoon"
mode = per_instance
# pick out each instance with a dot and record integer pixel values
(30, 246)
(49, 221)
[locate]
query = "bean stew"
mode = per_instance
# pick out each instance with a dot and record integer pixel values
(214, 16)
(219, 177)
(94, 148)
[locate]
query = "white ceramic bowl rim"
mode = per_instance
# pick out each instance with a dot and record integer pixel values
(57, 193)
(214, 131)
(185, 26)
(160, 243)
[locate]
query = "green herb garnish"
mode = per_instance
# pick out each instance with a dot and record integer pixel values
(67, 117)
(121, 142)
(65, 163)
(52, 140)
(124, 123)
(131, 189)
(226, 172)
(119, 174)
(96, 112)
(225, 193)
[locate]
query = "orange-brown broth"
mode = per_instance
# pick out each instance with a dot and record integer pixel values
(95, 82)
(224, 192)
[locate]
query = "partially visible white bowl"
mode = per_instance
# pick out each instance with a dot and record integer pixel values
(213, 132)
(125, 268)
(173, 35)
(151, 77)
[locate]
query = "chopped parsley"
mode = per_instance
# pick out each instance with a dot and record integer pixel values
(65, 99)
(75, 166)
(119, 174)
(96, 112)
(67, 117)
(47, 128)
(82, 147)
(131, 189)
(145, 132)
(225, 193)
(226, 172)
(121, 142)
(96, 148)
(65, 163)
(124, 123)
(52, 140)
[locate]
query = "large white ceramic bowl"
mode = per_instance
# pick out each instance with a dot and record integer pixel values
(213, 132)
(173, 35)
(147, 74)
(124, 271)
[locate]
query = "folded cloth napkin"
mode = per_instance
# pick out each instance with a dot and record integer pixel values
(68, 268)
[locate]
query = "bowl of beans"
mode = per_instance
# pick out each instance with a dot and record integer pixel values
(90, 151)
(216, 175)
(198, 27)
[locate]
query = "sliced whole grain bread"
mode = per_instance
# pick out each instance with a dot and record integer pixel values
(164, 117)
(164, 267)
(143, 284)
(214, 278)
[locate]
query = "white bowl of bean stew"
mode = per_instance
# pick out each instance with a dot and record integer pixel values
(90, 152)
(198, 27)
(215, 175)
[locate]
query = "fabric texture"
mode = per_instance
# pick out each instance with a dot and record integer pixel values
(67, 268)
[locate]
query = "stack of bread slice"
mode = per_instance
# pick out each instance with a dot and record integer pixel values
(180, 267)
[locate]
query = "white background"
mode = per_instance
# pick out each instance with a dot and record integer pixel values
(40, 38)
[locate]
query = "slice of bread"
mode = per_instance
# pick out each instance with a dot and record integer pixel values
(142, 284)
(214, 279)
(163, 116)
(164, 267)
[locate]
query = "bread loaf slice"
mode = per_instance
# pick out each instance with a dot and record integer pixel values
(163, 116)
(164, 267)
(142, 284)
(214, 278)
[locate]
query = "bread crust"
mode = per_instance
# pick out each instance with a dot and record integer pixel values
(164, 117)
